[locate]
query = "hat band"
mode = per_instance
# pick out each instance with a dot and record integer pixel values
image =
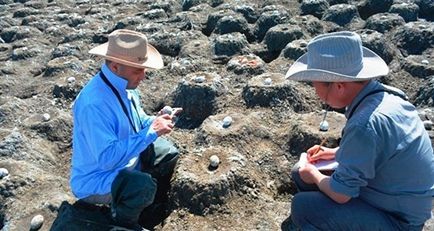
(138, 60)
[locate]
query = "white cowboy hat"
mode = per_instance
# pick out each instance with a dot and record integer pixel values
(129, 48)
(337, 57)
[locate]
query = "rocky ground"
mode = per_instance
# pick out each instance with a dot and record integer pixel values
(222, 59)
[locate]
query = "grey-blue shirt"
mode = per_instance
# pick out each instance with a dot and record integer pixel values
(386, 157)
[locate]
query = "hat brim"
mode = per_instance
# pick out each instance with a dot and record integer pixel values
(373, 67)
(154, 60)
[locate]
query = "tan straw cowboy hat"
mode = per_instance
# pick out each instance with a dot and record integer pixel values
(129, 48)
(337, 57)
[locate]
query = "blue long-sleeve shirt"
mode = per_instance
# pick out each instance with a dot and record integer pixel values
(385, 156)
(104, 142)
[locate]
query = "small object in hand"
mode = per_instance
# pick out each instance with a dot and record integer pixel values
(268, 81)
(214, 161)
(324, 126)
(320, 145)
(227, 121)
(36, 222)
(167, 110)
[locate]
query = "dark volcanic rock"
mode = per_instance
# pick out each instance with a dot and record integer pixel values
(408, 11)
(334, 2)
(310, 24)
(197, 95)
(384, 22)
(425, 94)
(341, 14)
(376, 42)
(278, 36)
(370, 7)
(203, 189)
(230, 24)
(11, 143)
(419, 66)
(426, 9)
(63, 65)
(12, 34)
(269, 19)
(249, 13)
(230, 44)
(271, 89)
(414, 37)
(295, 49)
(214, 17)
(314, 7)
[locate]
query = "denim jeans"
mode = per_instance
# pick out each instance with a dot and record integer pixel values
(313, 210)
(133, 190)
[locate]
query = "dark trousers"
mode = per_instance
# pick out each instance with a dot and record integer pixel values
(136, 194)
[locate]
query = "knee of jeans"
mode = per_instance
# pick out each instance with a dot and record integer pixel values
(294, 172)
(298, 208)
(149, 189)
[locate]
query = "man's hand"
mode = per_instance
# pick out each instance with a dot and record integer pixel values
(173, 112)
(308, 173)
(162, 124)
(313, 154)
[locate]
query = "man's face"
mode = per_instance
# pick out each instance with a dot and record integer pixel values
(327, 93)
(132, 74)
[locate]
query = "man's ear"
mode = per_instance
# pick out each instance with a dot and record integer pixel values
(114, 67)
(340, 87)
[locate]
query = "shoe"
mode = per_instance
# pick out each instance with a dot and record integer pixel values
(288, 225)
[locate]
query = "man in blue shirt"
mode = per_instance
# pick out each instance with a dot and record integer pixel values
(118, 157)
(385, 176)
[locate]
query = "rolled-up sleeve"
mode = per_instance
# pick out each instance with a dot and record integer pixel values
(357, 156)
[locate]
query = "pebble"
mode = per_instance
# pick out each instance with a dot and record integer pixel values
(199, 79)
(426, 62)
(214, 161)
(3, 172)
(267, 81)
(427, 124)
(167, 110)
(71, 79)
(46, 117)
(36, 222)
(227, 121)
(324, 126)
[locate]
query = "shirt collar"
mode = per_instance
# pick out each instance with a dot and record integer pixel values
(118, 82)
(372, 85)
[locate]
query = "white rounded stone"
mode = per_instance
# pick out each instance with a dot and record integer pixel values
(46, 117)
(268, 81)
(324, 126)
(199, 79)
(227, 121)
(167, 110)
(71, 79)
(3, 172)
(426, 62)
(427, 124)
(214, 161)
(36, 222)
